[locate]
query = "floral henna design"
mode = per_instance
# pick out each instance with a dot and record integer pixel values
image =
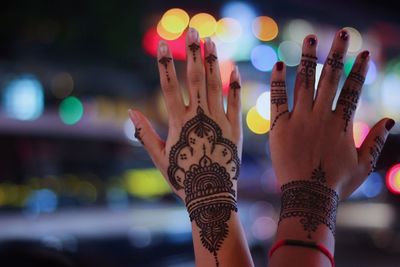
(194, 47)
(336, 61)
(210, 60)
(312, 201)
(203, 163)
(234, 86)
(138, 135)
(308, 66)
(375, 151)
(164, 61)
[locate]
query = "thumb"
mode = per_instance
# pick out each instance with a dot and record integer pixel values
(146, 135)
(371, 148)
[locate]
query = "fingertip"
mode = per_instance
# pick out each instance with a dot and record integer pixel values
(310, 40)
(389, 124)
(279, 66)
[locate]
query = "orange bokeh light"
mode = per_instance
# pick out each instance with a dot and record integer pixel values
(265, 28)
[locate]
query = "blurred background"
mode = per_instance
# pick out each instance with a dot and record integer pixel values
(77, 188)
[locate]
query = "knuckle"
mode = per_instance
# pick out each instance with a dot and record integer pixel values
(196, 77)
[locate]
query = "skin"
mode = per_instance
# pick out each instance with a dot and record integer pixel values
(313, 134)
(205, 91)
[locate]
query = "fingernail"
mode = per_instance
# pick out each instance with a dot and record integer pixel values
(163, 48)
(344, 35)
(193, 35)
(236, 70)
(365, 54)
(312, 41)
(279, 65)
(208, 44)
(133, 116)
(389, 124)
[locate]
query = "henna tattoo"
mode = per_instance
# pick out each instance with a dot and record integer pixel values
(278, 84)
(164, 61)
(210, 60)
(348, 100)
(210, 198)
(138, 135)
(312, 201)
(278, 97)
(375, 151)
(335, 61)
(277, 118)
(234, 86)
(308, 66)
(357, 78)
(194, 47)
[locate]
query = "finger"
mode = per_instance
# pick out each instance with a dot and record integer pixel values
(146, 135)
(331, 72)
(195, 71)
(279, 101)
(372, 146)
(169, 82)
(234, 109)
(348, 99)
(305, 78)
(213, 75)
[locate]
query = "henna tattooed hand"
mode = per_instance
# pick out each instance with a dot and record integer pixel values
(312, 146)
(201, 157)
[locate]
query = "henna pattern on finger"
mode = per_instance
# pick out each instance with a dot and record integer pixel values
(194, 47)
(312, 201)
(277, 118)
(210, 60)
(234, 86)
(357, 78)
(164, 61)
(138, 135)
(278, 96)
(203, 163)
(375, 151)
(308, 66)
(335, 61)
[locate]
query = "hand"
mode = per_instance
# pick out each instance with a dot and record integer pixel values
(201, 157)
(312, 147)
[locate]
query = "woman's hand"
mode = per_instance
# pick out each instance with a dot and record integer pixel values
(201, 157)
(312, 147)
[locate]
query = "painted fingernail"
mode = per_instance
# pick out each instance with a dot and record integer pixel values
(279, 65)
(208, 43)
(193, 35)
(163, 48)
(389, 124)
(365, 54)
(312, 41)
(344, 35)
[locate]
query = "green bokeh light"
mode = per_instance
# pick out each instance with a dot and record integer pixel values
(71, 110)
(348, 64)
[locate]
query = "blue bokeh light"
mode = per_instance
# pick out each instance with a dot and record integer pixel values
(263, 57)
(41, 201)
(372, 73)
(371, 188)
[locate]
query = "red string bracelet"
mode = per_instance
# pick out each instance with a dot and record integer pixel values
(301, 243)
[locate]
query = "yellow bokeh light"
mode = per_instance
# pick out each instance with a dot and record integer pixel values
(146, 183)
(228, 30)
(355, 40)
(204, 23)
(396, 180)
(256, 123)
(163, 33)
(265, 28)
(175, 20)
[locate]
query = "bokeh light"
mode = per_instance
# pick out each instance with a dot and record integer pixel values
(263, 57)
(372, 73)
(175, 20)
(348, 65)
(177, 46)
(204, 23)
(24, 98)
(393, 179)
(360, 132)
(256, 123)
(163, 33)
(290, 53)
(391, 95)
(226, 68)
(62, 85)
(146, 183)
(297, 29)
(228, 30)
(355, 40)
(318, 71)
(263, 105)
(264, 228)
(265, 28)
(371, 187)
(71, 110)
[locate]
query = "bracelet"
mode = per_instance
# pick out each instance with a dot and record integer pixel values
(301, 243)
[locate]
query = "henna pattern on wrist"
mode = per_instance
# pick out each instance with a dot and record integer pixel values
(164, 61)
(308, 66)
(210, 60)
(138, 135)
(234, 86)
(194, 47)
(375, 151)
(203, 163)
(312, 201)
(349, 97)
